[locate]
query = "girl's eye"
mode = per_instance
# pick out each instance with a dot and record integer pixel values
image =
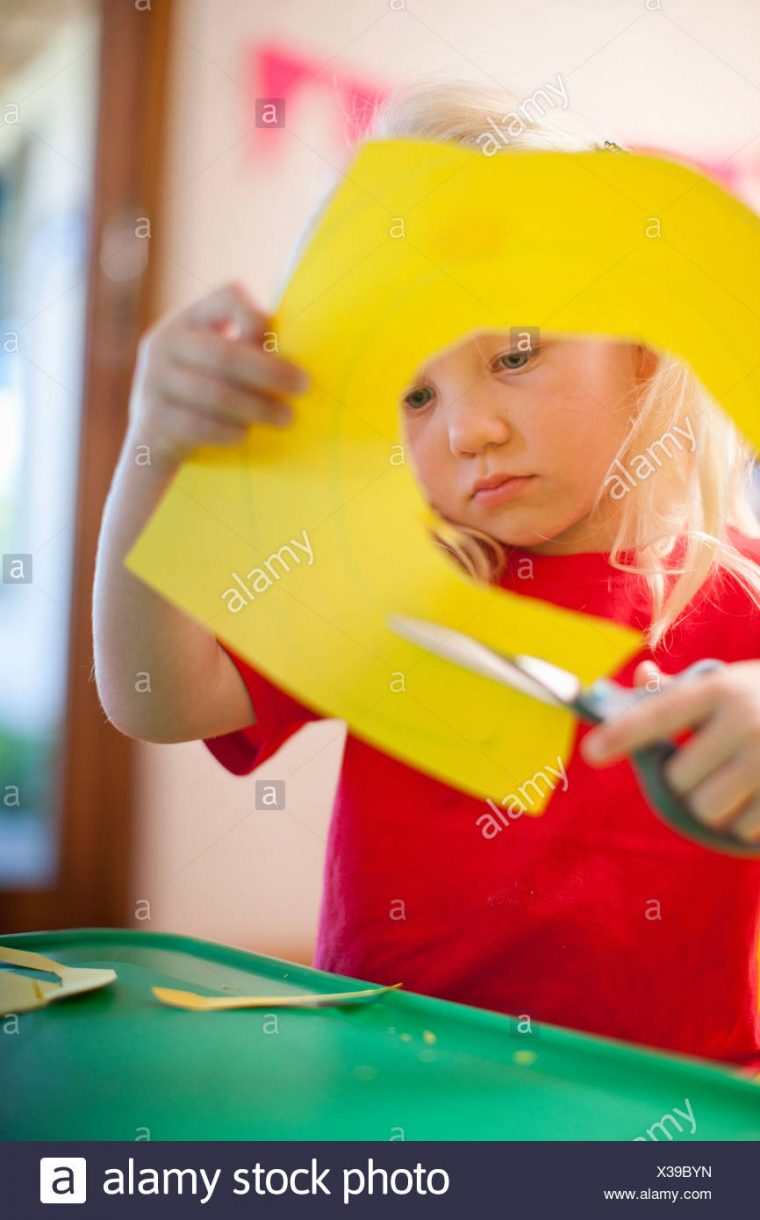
(419, 398)
(515, 360)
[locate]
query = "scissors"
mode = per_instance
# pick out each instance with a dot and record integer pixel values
(602, 701)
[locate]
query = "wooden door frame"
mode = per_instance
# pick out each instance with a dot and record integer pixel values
(96, 812)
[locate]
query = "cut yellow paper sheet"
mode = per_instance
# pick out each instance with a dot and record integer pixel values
(296, 546)
(213, 1003)
(22, 992)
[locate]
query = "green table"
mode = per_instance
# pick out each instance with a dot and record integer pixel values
(116, 1064)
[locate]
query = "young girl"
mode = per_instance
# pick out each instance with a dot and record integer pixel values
(595, 915)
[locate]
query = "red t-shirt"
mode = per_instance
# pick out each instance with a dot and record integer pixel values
(594, 915)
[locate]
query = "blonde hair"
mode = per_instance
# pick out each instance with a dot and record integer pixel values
(689, 501)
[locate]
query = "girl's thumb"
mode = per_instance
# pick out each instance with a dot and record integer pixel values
(648, 674)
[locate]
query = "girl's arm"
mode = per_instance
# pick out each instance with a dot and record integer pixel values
(160, 675)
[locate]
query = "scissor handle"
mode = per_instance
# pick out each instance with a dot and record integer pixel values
(603, 701)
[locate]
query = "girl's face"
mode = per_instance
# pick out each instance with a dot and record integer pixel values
(550, 417)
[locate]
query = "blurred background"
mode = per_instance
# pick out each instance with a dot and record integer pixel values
(138, 171)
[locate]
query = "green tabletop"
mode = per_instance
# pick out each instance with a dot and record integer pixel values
(117, 1064)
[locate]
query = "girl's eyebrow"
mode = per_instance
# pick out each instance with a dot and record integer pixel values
(421, 374)
(498, 338)
(411, 386)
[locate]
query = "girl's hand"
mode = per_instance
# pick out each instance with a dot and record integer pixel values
(716, 772)
(203, 377)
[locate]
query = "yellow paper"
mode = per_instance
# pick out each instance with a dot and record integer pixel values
(214, 1003)
(22, 992)
(422, 244)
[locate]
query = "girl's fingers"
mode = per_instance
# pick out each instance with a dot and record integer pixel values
(679, 706)
(724, 794)
(713, 774)
(223, 400)
(243, 363)
(229, 306)
(192, 427)
(747, 826)
(716, 772)
(715, 743)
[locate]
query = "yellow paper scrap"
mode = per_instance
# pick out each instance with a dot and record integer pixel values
(22, 992)
(212, 1003)
(296, 546)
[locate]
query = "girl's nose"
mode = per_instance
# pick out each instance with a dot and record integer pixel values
(477, 418)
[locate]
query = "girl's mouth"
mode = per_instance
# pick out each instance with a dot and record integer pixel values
(499, 492)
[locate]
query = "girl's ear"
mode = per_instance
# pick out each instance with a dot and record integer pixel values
(645, 361)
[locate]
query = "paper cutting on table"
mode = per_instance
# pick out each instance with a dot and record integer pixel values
(23, 992)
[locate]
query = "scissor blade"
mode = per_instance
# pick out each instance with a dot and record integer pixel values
(531, 675)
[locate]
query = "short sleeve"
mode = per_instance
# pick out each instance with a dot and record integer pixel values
(278, 717)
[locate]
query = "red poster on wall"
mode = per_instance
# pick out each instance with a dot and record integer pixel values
(278, 75)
